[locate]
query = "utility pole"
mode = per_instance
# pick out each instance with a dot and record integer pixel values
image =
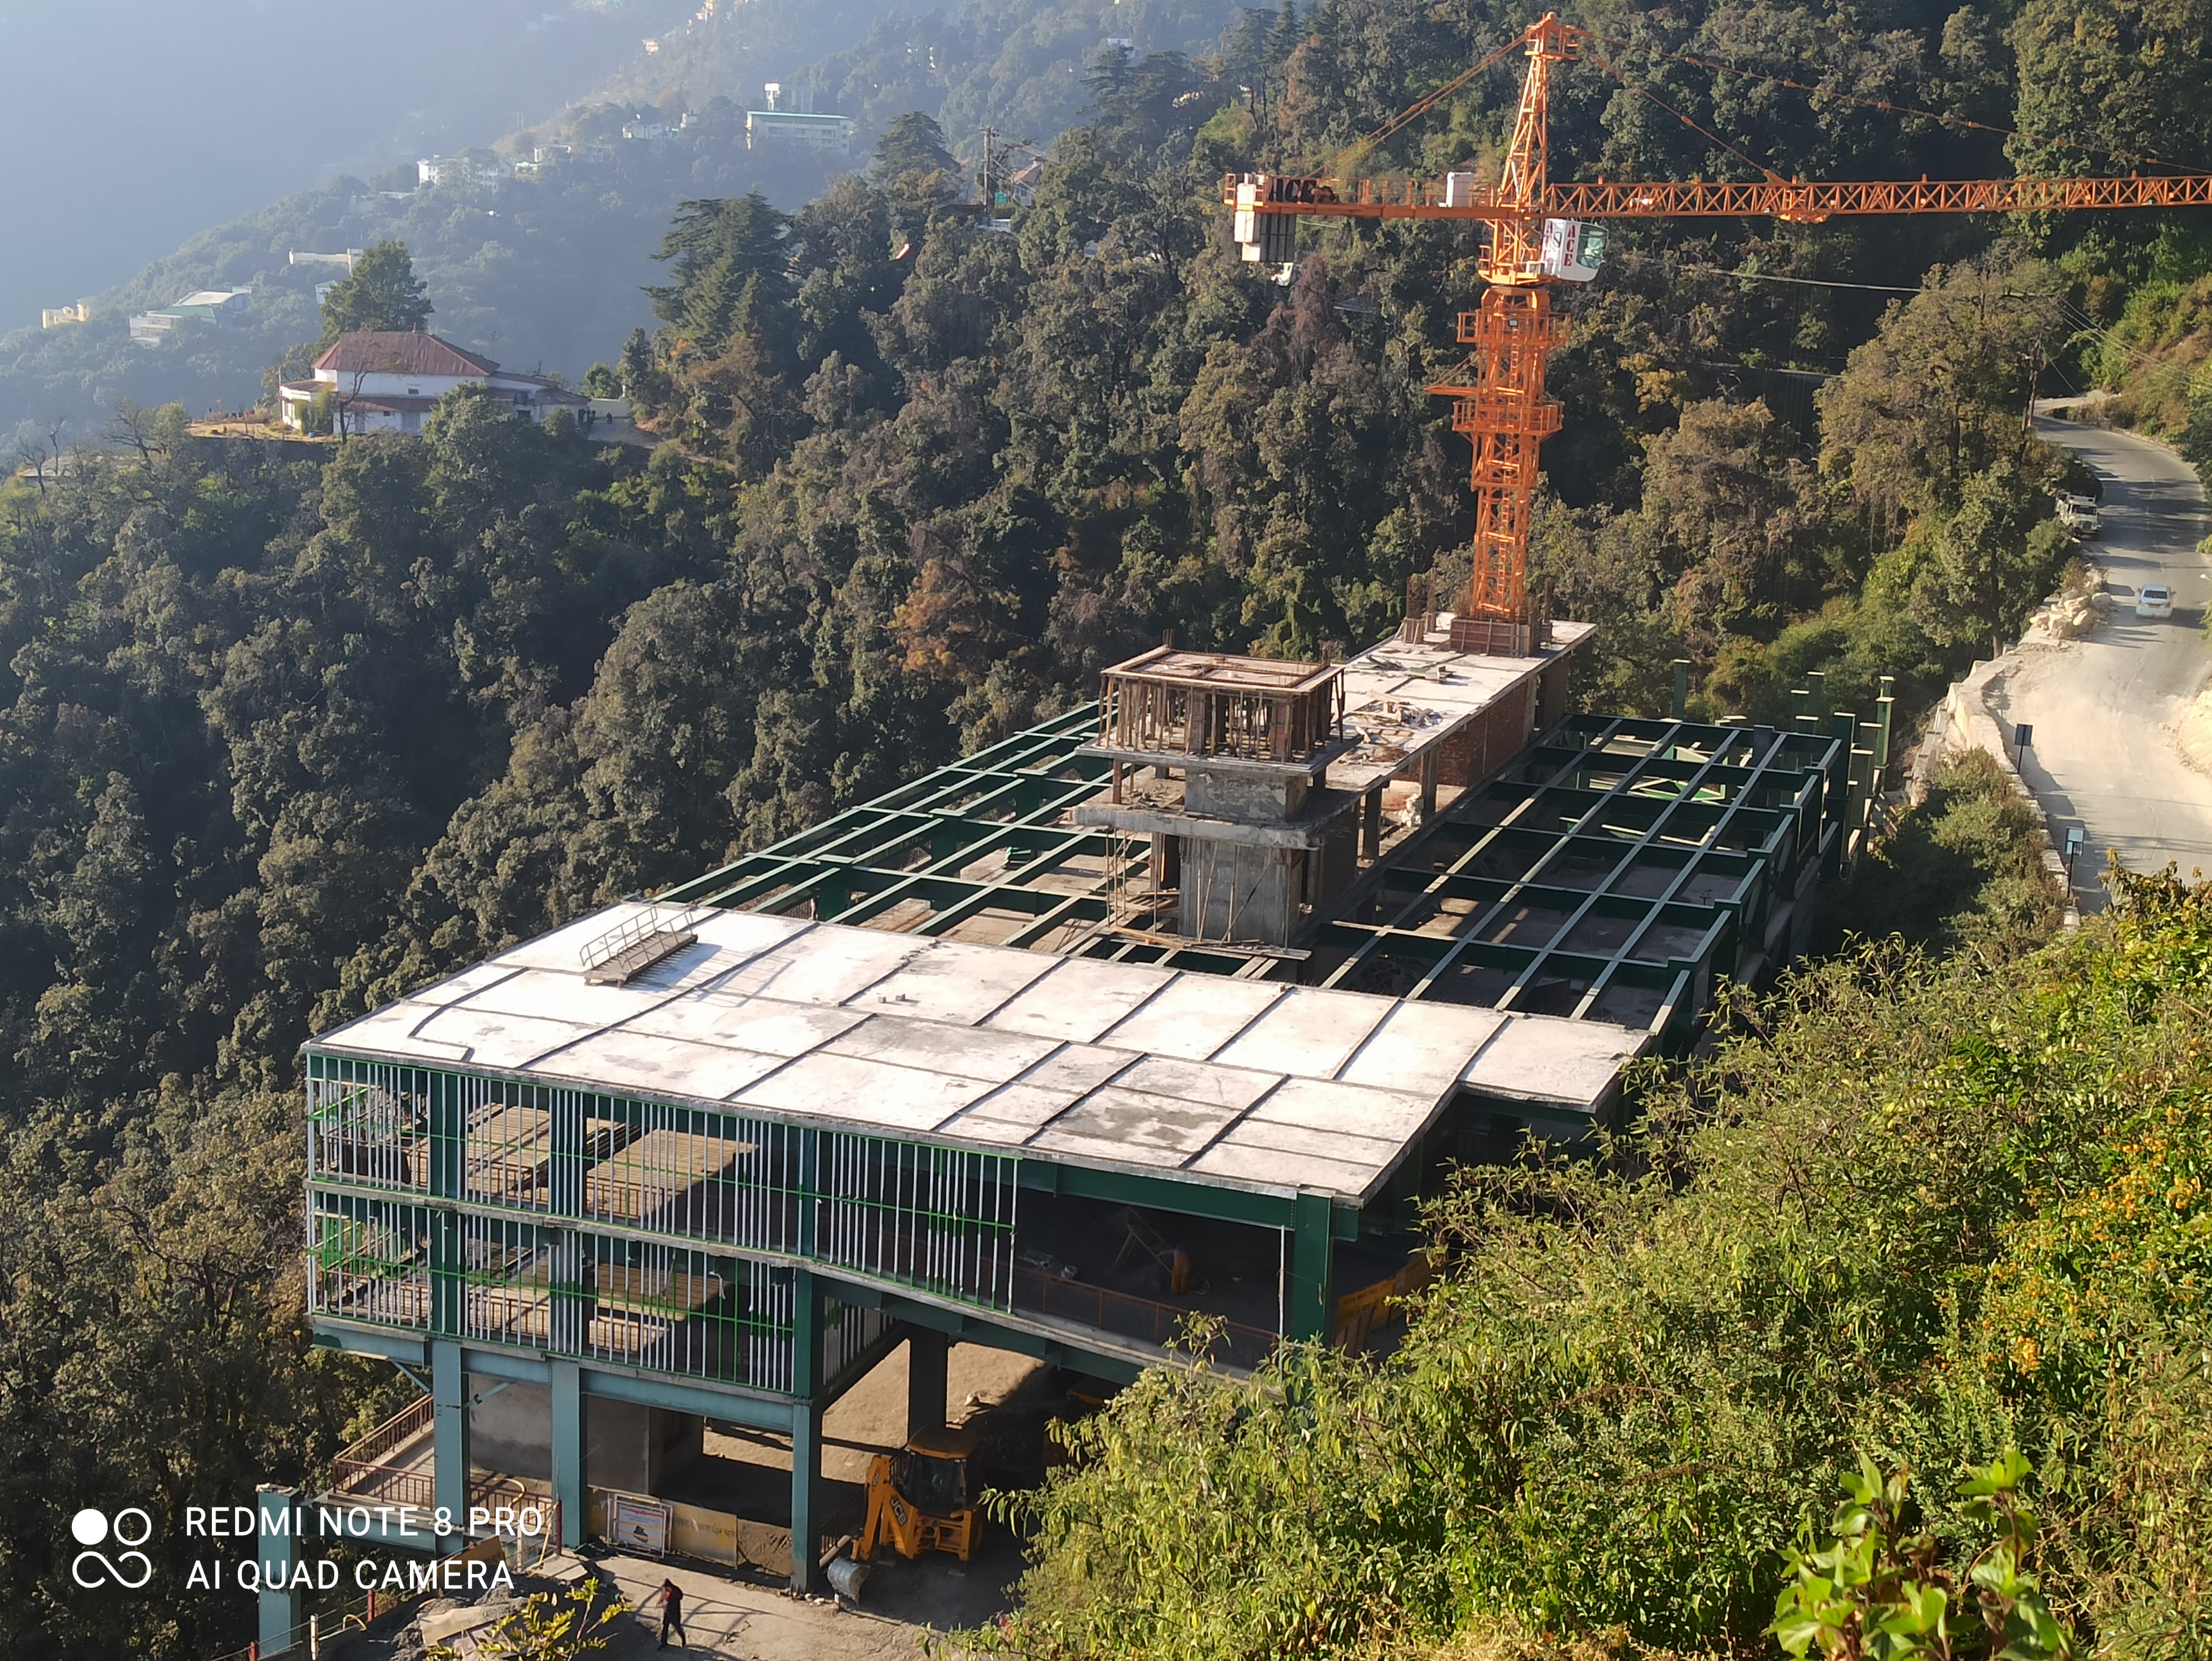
(989, 133)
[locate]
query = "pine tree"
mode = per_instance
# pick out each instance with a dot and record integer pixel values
(382, 293)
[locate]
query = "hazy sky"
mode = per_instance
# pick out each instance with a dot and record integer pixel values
(129, 125)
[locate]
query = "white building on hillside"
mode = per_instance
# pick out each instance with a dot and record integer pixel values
(385, 382)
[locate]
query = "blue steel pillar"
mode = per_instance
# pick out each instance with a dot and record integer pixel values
(277, 1547)
(449, 1392)
(805, 1431)
(570, 1480)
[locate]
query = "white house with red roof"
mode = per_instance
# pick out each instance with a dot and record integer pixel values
(386, 380)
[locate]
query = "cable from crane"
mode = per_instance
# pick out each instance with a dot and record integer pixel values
(1804, 281)
(1714, 64)
(1397, 124)
(1714, 138)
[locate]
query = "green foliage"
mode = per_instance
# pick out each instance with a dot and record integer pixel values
(1963, 869)
(381, 292)
(1906, 1211)
(1874, 1592)
(546, 1626)
(914, 144)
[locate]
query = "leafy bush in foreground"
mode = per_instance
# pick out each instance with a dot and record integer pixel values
(1922, 1214)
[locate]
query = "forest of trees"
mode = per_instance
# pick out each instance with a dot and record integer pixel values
(286, 730)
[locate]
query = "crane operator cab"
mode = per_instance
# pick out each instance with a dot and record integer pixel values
(922, 1498)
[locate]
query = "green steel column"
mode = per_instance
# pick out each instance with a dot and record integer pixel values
(571, 1481)
(806, 1507)
(566, 1138)
(277, 1549)
(927, 1356)
(449, 1428)
(810, 1202)
(447, 1255)
(1310, 1251)
(1681, 707)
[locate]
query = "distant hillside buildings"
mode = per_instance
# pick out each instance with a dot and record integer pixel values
(385, 382)
(213, 307)
(789, 123)
(63, 315)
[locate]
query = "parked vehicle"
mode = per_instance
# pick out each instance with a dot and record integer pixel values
(2154, 601)
(2079, 515)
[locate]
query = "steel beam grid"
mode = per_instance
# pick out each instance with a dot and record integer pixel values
(1639, 858)
(1009, 799)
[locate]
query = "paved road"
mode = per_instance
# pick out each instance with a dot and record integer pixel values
(2103, 754)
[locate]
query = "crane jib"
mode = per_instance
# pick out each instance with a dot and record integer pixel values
(1788, 199)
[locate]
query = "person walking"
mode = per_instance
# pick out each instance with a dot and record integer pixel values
(671, 1614)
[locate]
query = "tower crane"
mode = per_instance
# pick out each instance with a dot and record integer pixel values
(1542, 235)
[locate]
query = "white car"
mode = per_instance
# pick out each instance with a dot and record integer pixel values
(2155, 601)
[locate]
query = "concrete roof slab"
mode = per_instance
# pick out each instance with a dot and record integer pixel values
(865, 1092)
(827, 965)
(938, 1048)
(1015, 1110)
(1137, 1119)
(622, 1060)
(889, 1033)
(1309, 1033)
(1549, 1058)
(490, 1038)
(1369, 1152)
(956, 980)
(1078, 1066)
(765, 1025)
(1197, 1081)
(1420, 1047)
(1329, 1108)
(1079, 999)
(1195, 1018)
(1277, 1169)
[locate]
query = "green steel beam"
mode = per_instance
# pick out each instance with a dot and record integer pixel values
(400, 1349)
(673, 1396)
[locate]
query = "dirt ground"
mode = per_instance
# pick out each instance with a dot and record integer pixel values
(1006, 1398)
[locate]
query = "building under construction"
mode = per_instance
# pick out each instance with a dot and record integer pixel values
(1171, 1007)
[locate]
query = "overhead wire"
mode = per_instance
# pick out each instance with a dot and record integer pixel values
(1805, 281)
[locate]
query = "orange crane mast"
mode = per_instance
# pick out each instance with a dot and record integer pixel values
(1541, 237)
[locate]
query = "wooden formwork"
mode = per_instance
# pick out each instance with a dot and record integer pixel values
(1205, 704)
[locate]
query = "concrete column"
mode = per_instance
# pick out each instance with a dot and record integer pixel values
(571, 1479)
(1311, 1249)
(1370, 824)
(449, 1425)
(806, 1506)
(927, 1359)
(1429, 761)
(281, 1625)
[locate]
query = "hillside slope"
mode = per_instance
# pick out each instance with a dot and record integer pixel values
(1921, 1214)
(545, 273)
